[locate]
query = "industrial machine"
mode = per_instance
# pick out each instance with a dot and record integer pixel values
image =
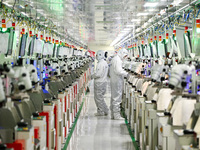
(43, 83)
(161, 98)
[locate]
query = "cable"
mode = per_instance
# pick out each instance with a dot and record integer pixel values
(8, 20)
(1, 3)
(188, 15)
(14, 5)
(198, 13)
(182, 24)
(161, 32)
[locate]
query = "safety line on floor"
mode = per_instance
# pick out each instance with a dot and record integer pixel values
(73, 126)
(131, 134)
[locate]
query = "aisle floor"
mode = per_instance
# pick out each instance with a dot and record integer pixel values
(99, 133)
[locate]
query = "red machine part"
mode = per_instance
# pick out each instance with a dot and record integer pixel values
(17, 145)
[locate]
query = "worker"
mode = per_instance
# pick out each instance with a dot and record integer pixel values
(100, 84)
(116, 80)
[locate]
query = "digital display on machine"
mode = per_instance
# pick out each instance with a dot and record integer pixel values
(10, 42)
(31, 46)
(22, 45)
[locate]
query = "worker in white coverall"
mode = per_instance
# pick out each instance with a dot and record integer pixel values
(100, 84)
(117, 73)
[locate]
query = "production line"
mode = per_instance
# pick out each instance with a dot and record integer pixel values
(43, 84)
(161, 92)
(46, 69)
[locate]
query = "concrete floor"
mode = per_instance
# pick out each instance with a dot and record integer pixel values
(99, 133)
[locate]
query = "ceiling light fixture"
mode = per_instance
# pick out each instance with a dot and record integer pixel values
(151, 10)
(142, 14)
(7, 4)
(177, 2)
(23, 13)
(163, 11)
(127, 29)
(129, 25)
(22, 6)
(150, 4)
(135, 20)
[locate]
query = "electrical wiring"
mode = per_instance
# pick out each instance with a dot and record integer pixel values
(188, 16)
(14, 6)
(7, 21)
(198, 13)
(182, 24)
(161, 32)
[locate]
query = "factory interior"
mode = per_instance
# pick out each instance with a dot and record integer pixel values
(53, 98)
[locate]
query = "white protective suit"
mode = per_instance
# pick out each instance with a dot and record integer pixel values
(117, 73)
(100, 84)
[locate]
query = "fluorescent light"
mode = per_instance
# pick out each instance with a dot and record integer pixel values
(177, 2)
(127, 29)
(23, 13)
(7, 4)
(150, 20)
(150, 4)
(21, 6)
(40, 10)
(151, 10)
(138, 29)
(135, 20)
(162, 11)
(145, 24)
(142, 14)
(129, 25)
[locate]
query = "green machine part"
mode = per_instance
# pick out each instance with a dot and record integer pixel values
(22, 47)
(31, 46)
(151, 49)
(155, 48)
(8, 44)
(7, 40)
(133, 54)
(142, 50)
(187, 45)
(139, 51)
(196, 42)
(54, 50)
(58, 50)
